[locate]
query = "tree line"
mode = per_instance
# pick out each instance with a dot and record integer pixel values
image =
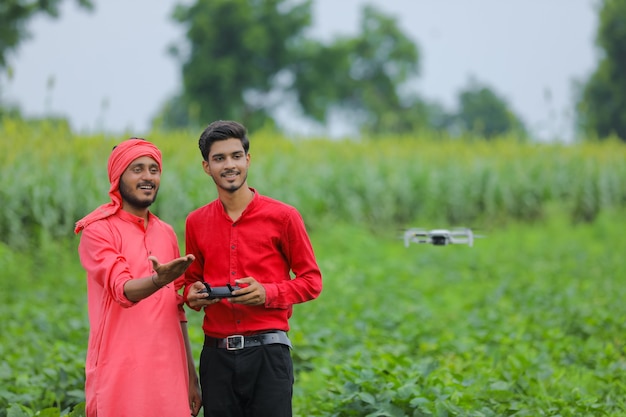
(244, 59)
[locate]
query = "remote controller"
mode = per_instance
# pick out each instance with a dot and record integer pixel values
(219, 292)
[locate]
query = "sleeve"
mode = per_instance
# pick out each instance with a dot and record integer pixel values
(298, 250)
(103, 261)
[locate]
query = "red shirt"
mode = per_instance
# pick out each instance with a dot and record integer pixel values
(268, 242)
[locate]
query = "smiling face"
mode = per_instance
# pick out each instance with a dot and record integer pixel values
(228, 164)
(139, 185)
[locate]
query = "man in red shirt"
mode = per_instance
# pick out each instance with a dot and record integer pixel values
(260, 244)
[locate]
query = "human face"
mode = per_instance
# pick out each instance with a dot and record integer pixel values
(139, 185)
(228, 164)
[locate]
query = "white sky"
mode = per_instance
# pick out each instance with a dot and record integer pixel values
(110, 69)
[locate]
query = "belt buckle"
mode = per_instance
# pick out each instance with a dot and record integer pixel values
(235, 342)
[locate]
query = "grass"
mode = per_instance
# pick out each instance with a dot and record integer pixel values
(528, 322)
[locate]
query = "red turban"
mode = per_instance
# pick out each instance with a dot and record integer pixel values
(121, 157)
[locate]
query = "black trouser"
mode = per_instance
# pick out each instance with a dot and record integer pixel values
(250, 382)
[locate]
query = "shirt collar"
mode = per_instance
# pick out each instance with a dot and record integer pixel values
(131, 218)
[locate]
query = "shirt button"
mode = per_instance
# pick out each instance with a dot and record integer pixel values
(232, 247)
(232, 273)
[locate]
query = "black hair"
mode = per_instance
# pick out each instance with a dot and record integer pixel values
(222, 130)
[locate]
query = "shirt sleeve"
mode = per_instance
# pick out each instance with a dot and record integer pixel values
(103, 262)
(307, 282)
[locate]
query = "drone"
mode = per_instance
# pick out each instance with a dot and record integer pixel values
(439, 237)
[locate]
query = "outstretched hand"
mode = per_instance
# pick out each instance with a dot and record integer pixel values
(168, 272)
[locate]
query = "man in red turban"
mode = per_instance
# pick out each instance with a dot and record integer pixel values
(139, 360)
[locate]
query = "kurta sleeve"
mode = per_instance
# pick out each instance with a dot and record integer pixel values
(101, 257)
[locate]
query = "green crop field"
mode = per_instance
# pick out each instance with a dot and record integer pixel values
(530, 321)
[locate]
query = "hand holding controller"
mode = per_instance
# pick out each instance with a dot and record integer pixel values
(219, 292)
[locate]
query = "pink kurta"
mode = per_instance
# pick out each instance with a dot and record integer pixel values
(136, 363)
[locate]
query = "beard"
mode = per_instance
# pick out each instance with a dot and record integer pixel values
(231, 188)
(127, 195)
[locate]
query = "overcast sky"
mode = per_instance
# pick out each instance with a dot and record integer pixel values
(109, 70)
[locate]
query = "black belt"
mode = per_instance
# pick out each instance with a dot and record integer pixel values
(236, 342)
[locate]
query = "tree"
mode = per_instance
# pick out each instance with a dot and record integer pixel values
(247, 57)
(14, 14)
(365, 78)
(602, 107)
(483, 113)
(237, 52)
